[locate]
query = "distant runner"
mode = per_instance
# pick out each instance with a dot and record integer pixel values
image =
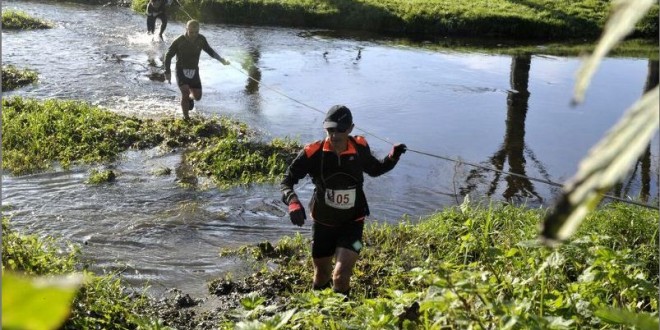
(157, 9)
(187, 49)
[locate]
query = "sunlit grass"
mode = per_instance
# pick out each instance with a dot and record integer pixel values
(230, 160)
(519, 20)
(37, 134)
(13, 77)
(101, 303)
(464, 267)
(20, 20)
(478, 267)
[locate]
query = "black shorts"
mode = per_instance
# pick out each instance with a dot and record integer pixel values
(193, 82)
(326, 239)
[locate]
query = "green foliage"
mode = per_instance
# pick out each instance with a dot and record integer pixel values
(101, 303)
(231, 160)
(36, 134)
(37, 303)
(13, 77)
(19, 20)
(533, 19)
(101, 176)
(474, 267)
(612, 157)
(32, 255)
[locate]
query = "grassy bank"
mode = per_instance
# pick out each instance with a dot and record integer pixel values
(101, 303)
(532, 19)
(13, 77)
(40, 134)
(464, 267)
(468, 267)
(19, 20)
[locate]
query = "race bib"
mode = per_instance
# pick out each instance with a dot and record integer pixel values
(342, 199)
(189, 73)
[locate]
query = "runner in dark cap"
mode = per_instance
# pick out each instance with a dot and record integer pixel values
(338, 206)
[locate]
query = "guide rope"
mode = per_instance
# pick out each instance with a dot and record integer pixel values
(181, 8)
(458, 161)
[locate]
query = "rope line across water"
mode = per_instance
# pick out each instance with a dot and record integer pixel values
(458, 161)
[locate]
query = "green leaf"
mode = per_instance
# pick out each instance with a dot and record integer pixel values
(37, 303)
(625, 14)
(641, 321)
(285, 317)
(605, 165)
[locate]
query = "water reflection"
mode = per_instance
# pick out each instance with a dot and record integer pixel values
(251, 66)
(643, 164)
(518, 187)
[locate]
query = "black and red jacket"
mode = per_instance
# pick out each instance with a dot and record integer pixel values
(330, 173)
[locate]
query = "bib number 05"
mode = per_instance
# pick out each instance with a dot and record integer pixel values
(342, 199)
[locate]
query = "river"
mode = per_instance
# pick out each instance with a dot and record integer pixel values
(507, 112)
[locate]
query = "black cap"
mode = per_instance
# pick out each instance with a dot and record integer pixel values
(338, 117)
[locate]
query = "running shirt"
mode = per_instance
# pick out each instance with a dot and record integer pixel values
(156, 7)
(187, 52)
(338, 179)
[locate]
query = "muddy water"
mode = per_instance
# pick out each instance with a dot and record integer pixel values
(506, 112)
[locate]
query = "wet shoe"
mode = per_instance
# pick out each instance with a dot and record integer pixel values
(191, 105)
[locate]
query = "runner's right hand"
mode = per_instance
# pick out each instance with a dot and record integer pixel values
(168, 76)
(297, 213)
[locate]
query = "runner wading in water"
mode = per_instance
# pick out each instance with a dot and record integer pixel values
(338, 205)
(157, 9)
(187, 48)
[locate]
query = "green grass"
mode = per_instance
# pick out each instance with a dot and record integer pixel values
(464, 267)
(101, 176)
(39, 134)
(472, 267)
(13, 78)
(19, 20)
(633, 48)
(101, 303)
(229, 161)
(518, 20)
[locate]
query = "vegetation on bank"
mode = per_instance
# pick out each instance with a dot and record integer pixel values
(633, 48)
(37, 134)
(13, 77)
(19, 20)
(533, 19)
(465, 267)
(101, 303)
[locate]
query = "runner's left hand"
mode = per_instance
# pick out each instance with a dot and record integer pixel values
(397, 150)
